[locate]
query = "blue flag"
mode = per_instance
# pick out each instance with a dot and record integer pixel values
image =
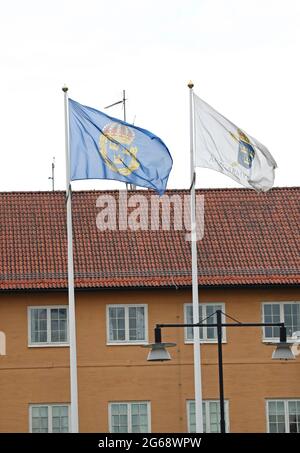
(102, 147)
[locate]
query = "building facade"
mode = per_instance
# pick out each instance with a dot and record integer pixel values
(126, 282)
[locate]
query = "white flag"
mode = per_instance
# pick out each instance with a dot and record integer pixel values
(224, 147)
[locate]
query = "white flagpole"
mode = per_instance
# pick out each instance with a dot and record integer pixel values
(71, 293)
(197, 352)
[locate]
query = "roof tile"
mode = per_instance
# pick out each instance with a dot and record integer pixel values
(249, 238)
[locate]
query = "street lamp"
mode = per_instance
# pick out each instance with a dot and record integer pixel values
(296, 343)
(159, 351)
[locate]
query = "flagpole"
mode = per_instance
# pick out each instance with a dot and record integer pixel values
(71, 292)
(197, 352)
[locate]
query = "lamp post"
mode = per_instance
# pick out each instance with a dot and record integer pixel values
(158, 350)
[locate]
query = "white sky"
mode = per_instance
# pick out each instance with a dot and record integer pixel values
(242, 55)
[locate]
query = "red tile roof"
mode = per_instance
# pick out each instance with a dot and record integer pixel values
(249, 239)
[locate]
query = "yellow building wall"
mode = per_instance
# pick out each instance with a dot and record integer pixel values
(31, 375)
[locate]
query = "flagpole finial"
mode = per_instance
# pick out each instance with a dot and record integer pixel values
(190, 84)
(65, 88)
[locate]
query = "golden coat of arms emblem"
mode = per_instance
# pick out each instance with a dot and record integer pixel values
(116, 148)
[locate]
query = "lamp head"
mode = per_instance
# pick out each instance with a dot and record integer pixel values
(158, 352)
(296, 336)
(283, 352)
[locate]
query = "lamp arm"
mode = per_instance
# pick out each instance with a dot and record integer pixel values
(225, 324)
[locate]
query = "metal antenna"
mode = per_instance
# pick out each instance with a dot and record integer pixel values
(123, 101)
(124, 105)
(52, 177)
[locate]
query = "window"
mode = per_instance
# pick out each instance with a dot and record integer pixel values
(2, 343)
(211, 416)
(127, 323)
(209, 334)
(283, 416)
(48, 326)
(129, 417)
(45, 418)
(287, 312)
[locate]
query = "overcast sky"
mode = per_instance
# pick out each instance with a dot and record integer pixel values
(242, 55)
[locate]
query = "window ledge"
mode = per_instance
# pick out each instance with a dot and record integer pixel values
(49, 345)
(276, 341)
(126, 343)
(205, 342)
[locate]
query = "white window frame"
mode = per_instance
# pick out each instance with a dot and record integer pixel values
(205, 340)
(49, 406)
(48, 343)
(206, 402)
(129, 403)
(281, 311)
(126, 341)
(286, 411)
